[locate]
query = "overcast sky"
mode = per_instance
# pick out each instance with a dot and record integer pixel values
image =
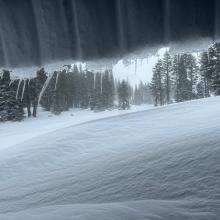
(132, 69)
(136, 70)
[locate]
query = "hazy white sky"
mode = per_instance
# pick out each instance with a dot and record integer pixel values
(136, 70)
(136, 67)
(132, 69)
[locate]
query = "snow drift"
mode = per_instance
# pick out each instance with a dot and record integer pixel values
(160, 163)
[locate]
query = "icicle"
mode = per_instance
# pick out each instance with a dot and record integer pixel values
(94, 80)
(23, 90)
(135, 67)
(101, 83)
(208, 56)
(44, 87)
(19, 83)
(11, 82)
(29, 82)
(142, 61)
(57, 77)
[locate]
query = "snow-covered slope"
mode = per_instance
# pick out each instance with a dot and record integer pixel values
(161, 163)
(12, 133)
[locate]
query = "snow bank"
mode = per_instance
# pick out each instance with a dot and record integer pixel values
(12, 133)
(162, 163)
(141, 210)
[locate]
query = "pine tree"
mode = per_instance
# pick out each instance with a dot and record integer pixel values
(123, 95)
(214, 56)
(90, 86)
(206, 72)
(61, 93)
(192, 74)
(147, 94)
(47, 101)
(136, 99)
(108, 89)
(70, 89)
(84, 96)
(76, 86)
(139, 94)
(167, 67)
(10, 108)
(35, 86)
(182, 84)
(97, 93)
(157, 84)
(200, 88)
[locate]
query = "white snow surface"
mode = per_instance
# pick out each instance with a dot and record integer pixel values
(12, 133)
(157, 164)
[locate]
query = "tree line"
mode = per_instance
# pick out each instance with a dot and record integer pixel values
(176, 78)
(182, 77)
(60, 91)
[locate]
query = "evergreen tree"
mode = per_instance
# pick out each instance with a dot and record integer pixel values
(60, 102)
(167, 68)
(123, 95)
(35, 86)
(90, 86)
(76, 86)
(157, 84)
(147, 94)
(108, 89)
(214, 57)
(47, 101)
(97, 93)
(139, 94)
(192, 74)
(136, 98)
(181, 79)
(70, 89)
(201, 92)
(10, 108)
(206, 72)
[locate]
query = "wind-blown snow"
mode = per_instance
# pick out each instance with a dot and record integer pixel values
(12, 133)
(162, 163)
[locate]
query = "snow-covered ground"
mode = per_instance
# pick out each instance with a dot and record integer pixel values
(158, 164)
(12, 133)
